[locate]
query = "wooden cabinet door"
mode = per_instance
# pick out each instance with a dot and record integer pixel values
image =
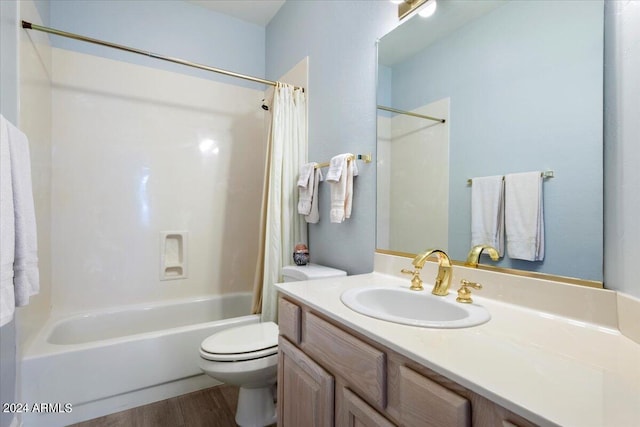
(305, 390)
(355, 412)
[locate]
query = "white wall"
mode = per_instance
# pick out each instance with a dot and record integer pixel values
(622, 147)
(138, 151)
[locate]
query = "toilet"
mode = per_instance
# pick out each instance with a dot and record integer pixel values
(247, 356)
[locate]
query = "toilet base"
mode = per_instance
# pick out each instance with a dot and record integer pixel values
(256, 407)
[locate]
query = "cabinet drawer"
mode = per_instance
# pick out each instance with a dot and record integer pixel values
(289, 320)
(426, 403)
(361, 365)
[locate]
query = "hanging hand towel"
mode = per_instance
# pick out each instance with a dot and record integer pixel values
(314, 215)
(524, 216)
(340, 177)
(7, 230)
(26, 280)
(25, 251)
(352, 170)
(305, 188)
(487, 212)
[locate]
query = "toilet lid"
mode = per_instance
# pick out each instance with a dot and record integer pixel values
(242, 343)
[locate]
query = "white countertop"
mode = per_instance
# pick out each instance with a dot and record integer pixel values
(550, 369)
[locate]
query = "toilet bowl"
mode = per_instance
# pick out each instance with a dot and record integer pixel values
(247, 356)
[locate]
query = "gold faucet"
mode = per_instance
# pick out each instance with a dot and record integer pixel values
(445, 270)
(473, 258)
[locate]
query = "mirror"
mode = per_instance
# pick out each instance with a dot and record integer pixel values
(519, 84)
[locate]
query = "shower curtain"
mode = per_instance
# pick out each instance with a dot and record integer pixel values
(281, 228)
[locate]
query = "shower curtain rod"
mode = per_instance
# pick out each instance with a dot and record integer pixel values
(409, 113)
(30, 26)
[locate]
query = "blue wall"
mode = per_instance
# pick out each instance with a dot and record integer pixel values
(171, 28)
(549, 117)
(339, 38)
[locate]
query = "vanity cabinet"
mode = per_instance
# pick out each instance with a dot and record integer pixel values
(330, 375)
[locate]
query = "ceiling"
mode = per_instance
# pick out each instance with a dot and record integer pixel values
(256, 11)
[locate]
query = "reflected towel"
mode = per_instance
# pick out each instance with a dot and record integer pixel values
(487, 212)
(524, 216)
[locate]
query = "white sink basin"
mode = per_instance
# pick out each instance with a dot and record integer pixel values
(415, 308)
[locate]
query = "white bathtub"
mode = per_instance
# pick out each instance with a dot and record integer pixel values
(112, 360)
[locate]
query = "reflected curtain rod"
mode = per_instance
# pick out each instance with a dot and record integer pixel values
(30, 26)
(409, 113)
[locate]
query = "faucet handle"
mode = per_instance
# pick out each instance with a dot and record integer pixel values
(416, 281)
(464, 293)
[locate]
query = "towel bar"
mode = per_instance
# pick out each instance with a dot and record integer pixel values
(367, 158)
(545, 174)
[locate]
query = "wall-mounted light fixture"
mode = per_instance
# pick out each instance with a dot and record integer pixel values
(424, 8)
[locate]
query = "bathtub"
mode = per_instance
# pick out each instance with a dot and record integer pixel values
(91, 364)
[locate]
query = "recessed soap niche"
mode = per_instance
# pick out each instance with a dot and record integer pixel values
(173, 255)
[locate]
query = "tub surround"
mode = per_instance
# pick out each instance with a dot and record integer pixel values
(553, 353)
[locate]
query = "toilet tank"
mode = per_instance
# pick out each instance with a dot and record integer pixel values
(296, 273)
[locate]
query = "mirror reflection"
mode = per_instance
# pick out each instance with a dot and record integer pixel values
(519, 85)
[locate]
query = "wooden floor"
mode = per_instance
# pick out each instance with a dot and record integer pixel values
(212, 407)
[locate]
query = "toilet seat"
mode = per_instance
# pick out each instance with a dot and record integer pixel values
(241, 343)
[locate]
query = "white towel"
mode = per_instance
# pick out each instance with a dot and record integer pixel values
(26, 281)
(305, 188)
(340, 176)
(487, 212)
(314, 215)
(7, 230)
(524, 216)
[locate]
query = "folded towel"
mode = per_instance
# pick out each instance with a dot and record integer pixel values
(335, 167)
(7, 230)
(305, 188)
(487, 212)
(340, 177)
(524, 216)
(306, 174)
(26, 280)
(314, 214)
